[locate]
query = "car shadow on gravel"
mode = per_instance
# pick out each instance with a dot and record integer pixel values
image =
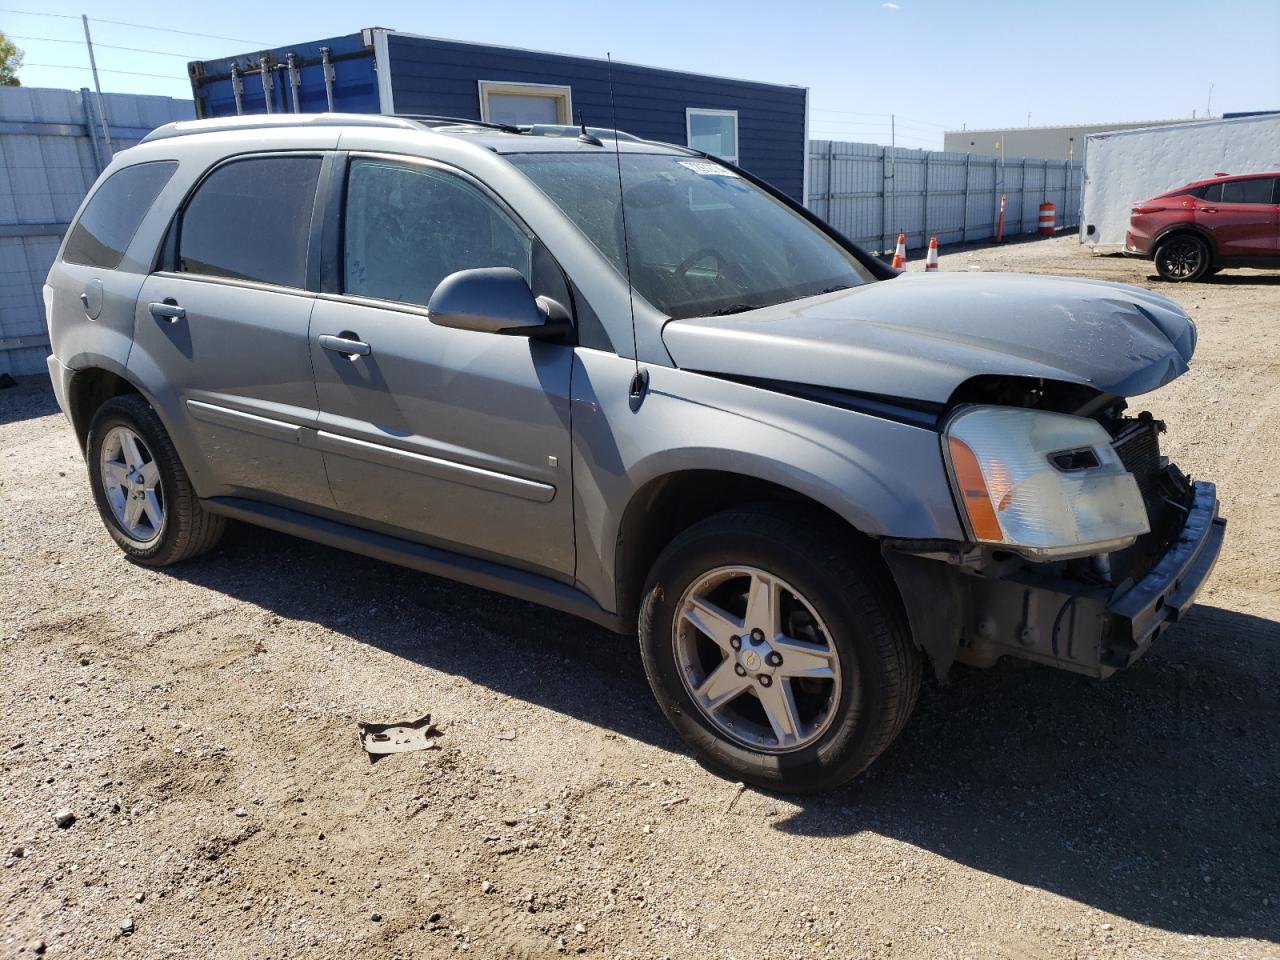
(1221, 280)
(510, 646)
(1151, 796)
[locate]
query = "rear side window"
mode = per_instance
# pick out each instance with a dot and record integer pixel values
(1247, 191)
(103, 232)
(251, 220)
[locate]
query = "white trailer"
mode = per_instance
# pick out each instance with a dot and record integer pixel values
(1125, 166)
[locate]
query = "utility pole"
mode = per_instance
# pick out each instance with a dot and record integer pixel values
(893, 145)
(97, 86)
(1208, 103)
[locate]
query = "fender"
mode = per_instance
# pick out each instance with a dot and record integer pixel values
(842, 460)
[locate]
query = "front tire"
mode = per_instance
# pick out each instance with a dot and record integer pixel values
(779, 653)
(1183, 258)
(141, 489)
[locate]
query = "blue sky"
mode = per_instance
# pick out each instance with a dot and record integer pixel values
(934, 64)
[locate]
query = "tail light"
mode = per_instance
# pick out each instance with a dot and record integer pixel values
(1146, 208)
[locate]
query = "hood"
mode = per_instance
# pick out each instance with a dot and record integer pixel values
(920, 335)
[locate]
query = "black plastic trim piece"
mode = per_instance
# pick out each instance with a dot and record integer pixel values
(914, 413)
(436, 561)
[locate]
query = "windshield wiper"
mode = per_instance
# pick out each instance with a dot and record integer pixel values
(734, 308)
(837, 287)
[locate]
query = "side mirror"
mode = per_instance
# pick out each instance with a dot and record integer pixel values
(495, 300)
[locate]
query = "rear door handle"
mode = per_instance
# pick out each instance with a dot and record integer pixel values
(346, 343)
(1208, 209)
(169, 310)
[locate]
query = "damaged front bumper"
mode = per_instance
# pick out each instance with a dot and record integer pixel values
(978, 611)
(1139, 615)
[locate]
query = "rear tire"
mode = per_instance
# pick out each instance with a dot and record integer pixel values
(1183, 258)
(843, 674)
(141, 489)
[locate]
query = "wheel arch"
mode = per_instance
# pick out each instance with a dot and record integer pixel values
(666, 505)
(91, 386)
(1177, 229)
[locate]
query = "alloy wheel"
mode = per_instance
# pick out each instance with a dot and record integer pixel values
(756, 659)
(131, 481)
(1181, 258)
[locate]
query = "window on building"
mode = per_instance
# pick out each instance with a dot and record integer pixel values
(713, 131)
(112, 217)
(525, 103)
(409, 226)
(251, 220)
(1248, 191)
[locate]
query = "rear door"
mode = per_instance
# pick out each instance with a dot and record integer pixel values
(223, 325)
(448, 436)
(1242, 215)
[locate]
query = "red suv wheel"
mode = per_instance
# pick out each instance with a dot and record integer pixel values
(1182, 257)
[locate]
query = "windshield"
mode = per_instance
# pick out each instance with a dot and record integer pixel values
(703, 241)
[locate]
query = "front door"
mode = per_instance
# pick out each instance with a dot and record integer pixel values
(449, 436)
(224, 328)
(1242, 216)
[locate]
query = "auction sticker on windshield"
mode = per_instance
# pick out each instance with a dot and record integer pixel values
(707, 169)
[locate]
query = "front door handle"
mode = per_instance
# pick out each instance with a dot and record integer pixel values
(346, 343)
(168, 310)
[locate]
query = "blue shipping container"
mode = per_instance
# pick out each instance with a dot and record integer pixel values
(760, 126)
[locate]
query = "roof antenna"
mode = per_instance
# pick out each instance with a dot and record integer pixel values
(585, 136)
(640, 381)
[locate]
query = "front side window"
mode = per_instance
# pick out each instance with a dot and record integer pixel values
(409, 226)
(714, 132)
(105, 229)
(251, 220)
(1247, 191)
(702, 239)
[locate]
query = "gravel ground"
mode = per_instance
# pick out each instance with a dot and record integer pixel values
(199, 724)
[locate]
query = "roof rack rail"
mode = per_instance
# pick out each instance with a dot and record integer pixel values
(183, 128)
(528, 129)
(427, 118)
(570, 130)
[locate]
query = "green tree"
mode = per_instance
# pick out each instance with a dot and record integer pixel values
(10, 61)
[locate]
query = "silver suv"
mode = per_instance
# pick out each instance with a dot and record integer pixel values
(631, 382)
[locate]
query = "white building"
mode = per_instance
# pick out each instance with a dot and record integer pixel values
(1040, 143)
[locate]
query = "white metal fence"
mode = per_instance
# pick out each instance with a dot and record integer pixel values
(870, 192)
(51, 151)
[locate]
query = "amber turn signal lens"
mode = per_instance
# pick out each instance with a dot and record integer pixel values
(973, 492)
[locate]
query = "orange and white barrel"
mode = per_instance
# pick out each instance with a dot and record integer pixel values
(1046, 218)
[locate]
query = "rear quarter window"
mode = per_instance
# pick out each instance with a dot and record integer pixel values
(107, 225)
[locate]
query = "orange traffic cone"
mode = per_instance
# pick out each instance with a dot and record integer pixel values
(900, 254)
(931, 258)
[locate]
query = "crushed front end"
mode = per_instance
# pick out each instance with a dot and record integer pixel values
(1093, 613)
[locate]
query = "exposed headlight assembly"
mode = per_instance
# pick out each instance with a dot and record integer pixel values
(1047, 486)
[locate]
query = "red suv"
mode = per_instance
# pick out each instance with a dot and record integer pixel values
(1196, 230)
